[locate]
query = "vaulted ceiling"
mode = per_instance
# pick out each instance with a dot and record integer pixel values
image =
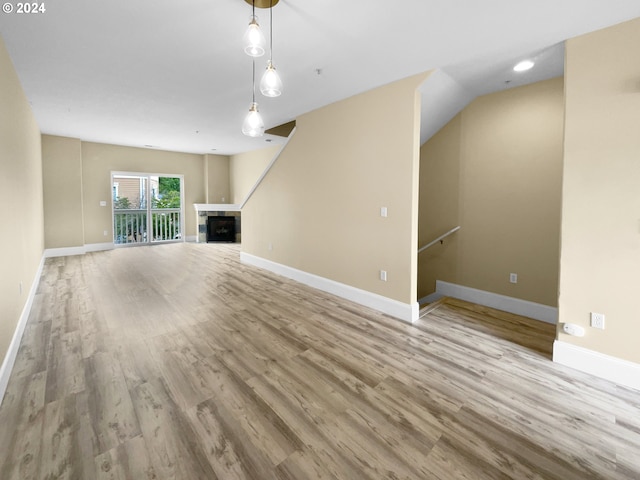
(173, 75)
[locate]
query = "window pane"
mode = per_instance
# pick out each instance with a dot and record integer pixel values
(129, 192)
(165, 192)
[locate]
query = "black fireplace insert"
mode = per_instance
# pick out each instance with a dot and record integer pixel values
(221, 229)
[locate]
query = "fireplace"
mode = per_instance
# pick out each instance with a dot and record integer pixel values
(218, 222)
(221, 229)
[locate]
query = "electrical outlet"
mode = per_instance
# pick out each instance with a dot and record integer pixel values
(513, 277)
(597, 320)
(383, 275)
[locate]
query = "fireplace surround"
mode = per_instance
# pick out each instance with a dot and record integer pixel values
(218, 223)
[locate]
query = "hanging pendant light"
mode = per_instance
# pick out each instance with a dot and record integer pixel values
(271, 84)
(253, 125)
(254, 41)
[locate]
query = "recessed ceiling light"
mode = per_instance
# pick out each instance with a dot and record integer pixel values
(523, 66)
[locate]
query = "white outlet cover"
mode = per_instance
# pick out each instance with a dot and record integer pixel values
(597, 320)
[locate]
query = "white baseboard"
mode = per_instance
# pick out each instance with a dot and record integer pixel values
(403, 311)
(68, 251)
(98, 247)
(14, 346)
(432, 297)
(64, 252)
(516, 306)
(616, 370)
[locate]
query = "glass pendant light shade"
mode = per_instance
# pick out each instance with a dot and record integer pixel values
(254, 41)
(253, 125)
(271, 85)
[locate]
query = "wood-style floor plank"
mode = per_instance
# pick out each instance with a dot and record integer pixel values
(21, 420)
(179, 362)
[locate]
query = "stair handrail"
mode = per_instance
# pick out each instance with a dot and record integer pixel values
(267, 169)
(439, 239)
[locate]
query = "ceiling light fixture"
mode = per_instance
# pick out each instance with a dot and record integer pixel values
(253, 125)
(271, 84)
(523, 66)
(254, 41)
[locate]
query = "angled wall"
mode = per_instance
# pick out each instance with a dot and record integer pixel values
(246, 168)
(318, 209)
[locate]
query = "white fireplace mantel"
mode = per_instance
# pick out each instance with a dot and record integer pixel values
(216, 207)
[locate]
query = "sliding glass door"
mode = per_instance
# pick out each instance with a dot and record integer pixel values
(147, 208)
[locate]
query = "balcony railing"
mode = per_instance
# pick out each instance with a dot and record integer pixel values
(131, 226)
(165, 224)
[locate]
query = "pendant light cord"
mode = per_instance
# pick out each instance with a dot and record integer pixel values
(253, 80)
(270, 30)
(253, 76)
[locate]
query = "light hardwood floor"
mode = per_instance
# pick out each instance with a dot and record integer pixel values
(178, 362)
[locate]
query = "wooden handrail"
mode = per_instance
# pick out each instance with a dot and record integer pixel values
(439, 239)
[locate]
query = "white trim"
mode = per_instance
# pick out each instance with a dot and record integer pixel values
(266, 170)
(617, 370)
(403, 311)
(98, 247)
(64, 251)
(216, 207)
(14, 346)
(537, 311)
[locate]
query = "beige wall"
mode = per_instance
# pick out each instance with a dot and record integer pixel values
(62, 174)
(216, 173)
(246, 168)
(99, 160)
(509, 164)
(319, 206)
(22, 238)
(439, 206)
(600, 258)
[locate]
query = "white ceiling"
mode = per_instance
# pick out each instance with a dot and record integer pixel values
(172, 73)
